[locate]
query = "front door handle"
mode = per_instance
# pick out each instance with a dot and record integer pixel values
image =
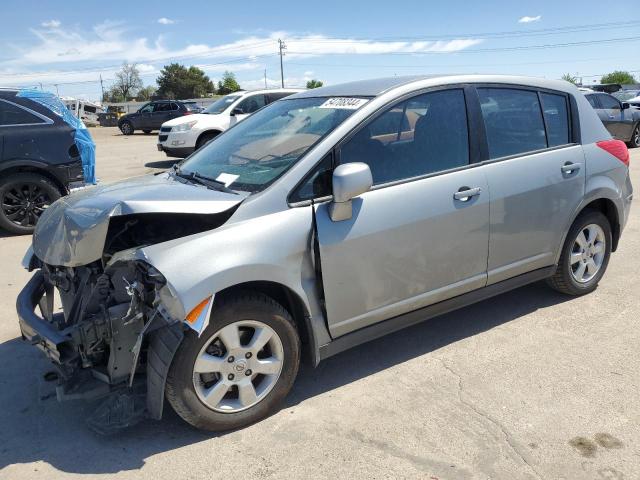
(465, 193)
(570, 167)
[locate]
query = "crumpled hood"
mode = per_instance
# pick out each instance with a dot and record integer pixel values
(72, 231)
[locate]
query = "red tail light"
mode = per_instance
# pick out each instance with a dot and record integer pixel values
(617, 148)
(188, 112)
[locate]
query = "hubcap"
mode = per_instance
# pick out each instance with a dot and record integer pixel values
(636, 137)
(23, 203)
(587, 254)
(238, 366)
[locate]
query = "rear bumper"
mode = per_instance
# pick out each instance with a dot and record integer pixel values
(35, 329)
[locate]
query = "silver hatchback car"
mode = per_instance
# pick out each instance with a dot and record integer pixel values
(323, 221)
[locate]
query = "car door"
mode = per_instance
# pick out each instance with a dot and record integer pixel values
(142, 119)
(618, 125)
(421, 234)
(536, 177)
(161, 113)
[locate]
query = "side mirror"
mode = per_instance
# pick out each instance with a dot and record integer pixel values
(349, 181)
(625, 105)
(236, 111)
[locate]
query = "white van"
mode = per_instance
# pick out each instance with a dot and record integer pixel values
(84, 110)
(183, 135)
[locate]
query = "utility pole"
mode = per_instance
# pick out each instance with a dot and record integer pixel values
(41, 86)
(57, 93)
(265, 78)
(282, 47)
(102, 88)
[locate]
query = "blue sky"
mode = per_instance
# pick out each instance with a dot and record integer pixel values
(72, 43)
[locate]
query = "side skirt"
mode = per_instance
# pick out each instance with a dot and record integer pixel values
(385, 327)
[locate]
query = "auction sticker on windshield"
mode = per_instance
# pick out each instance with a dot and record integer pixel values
(344, 103)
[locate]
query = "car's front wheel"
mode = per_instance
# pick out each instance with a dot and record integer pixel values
(585, 255)
(126, 128)
(241, 367)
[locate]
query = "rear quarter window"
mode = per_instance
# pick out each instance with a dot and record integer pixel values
(11, 114)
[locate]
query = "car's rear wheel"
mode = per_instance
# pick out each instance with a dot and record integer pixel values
(206, 138)
(23, 198)
(241, 367)
(126, 128)
(635, 137)
(585, 255)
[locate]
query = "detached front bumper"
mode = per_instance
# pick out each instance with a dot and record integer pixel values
(35, 329)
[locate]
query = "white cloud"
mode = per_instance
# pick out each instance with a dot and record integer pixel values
(165, 21)
(51, 24)
(73, 54)
(527, 19)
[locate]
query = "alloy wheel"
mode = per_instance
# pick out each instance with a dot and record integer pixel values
(636, 137)
(588, 253)
(238, 366)
(23, 203)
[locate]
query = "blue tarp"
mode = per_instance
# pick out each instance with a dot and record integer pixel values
(82, 136)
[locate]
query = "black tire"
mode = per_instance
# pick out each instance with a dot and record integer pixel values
(126, 128)
(635, 137)
(205, 138)
(180, 390)
(146, 132)
(563, 280)
(23, 198)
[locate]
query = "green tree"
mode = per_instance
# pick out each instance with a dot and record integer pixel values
(567, 77)
(619, 76)
(228, 84)
(146, 93)
(179, 82)
(113, 95)
(127, 81)
(314, 83)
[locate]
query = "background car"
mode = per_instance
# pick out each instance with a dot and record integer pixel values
(632, 97)
(153, 114)
(622, 121)
(39, 161)
(182, 136)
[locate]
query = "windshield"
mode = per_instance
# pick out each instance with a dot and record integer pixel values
(626, 94)
(221, 104)
(255, 152)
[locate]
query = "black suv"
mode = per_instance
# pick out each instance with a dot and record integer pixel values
(153, 114)
(39, 160)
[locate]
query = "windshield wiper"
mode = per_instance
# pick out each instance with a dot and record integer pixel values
(203, 180)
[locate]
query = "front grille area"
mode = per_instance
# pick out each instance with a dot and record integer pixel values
(162, 138)
(165, 129)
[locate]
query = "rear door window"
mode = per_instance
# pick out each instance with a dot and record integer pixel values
(513, 121)
(593, 101)
(556, 117)
(252, 103)
(11, 114)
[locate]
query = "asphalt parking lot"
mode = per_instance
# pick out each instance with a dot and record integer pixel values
(528, 385)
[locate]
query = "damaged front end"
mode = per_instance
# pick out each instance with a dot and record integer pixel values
(102, 337)
(120, 322)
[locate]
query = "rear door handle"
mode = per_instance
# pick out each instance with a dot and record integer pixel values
(570, 167)
(465, 193)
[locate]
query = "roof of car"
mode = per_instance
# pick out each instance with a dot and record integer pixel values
(378, 86)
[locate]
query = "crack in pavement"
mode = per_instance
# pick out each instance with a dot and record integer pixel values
(508, 437)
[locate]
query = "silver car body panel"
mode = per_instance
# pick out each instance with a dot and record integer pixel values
(72, 231)
(268, 240)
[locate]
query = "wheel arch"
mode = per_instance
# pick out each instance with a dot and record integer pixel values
(215, 131)
(606, 206)
(292, 302)
(33, 167)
